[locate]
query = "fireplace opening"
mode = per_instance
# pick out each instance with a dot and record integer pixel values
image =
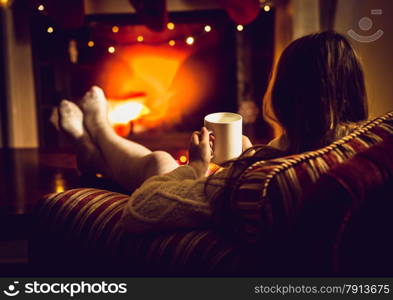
(162, 81)
(157, 83)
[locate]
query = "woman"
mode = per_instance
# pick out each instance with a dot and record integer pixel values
(315, 97)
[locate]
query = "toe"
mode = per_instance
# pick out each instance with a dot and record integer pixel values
(97, 90)
(65, 103)
(54, 118)
(65, 106)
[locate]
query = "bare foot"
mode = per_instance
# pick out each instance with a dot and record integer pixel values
(95, 110)
(71, 119)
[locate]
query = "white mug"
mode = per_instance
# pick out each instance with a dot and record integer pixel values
(227, 130)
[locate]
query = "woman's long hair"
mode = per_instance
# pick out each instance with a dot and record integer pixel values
(317, 90)
(318, 87)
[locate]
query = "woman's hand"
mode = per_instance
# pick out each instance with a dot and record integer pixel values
(200, 151)
(246, 143)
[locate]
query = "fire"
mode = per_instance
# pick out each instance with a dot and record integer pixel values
(160, 84)
(122, 112)
(125, 111)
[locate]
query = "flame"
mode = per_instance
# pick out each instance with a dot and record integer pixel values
(161, 84)
(124, 111)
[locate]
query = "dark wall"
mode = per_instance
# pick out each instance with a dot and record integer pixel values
(3, 133)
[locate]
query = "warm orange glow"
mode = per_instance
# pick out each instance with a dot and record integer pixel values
(122, 129)
(183, 159)
(59, 183)
(111, 49)
(50, 29)
(170, 26)
(124, 111)
(90, 44)
(3, 2)
(171, 43)
(59, 189)
(115, 29)
(99, 175)
(160, 80)
(139, 38)
(190, 40)
(208, 28)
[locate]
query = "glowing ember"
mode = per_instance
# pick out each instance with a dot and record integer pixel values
(59, 183)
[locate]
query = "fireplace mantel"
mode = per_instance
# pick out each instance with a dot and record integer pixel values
(99, 7)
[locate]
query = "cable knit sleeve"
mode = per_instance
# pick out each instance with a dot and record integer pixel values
(170, 201)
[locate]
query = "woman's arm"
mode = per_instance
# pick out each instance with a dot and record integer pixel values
(176, 199)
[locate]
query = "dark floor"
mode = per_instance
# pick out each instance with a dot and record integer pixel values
(28, 174)
(25, 176)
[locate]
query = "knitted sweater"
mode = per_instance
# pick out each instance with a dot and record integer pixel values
(178, 200)
(172, 201)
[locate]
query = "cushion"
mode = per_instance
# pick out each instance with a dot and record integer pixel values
(79, 231)
(268, 195)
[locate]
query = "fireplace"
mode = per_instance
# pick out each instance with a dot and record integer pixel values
(162, 81)
(157, 83)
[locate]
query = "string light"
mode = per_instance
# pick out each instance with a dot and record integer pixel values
(170, 26)
(239, 27)
(190, 40)
(208, 28)
(50, 29)
(41, 7)
(111, 49)
(266, 8)
(183, 159)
